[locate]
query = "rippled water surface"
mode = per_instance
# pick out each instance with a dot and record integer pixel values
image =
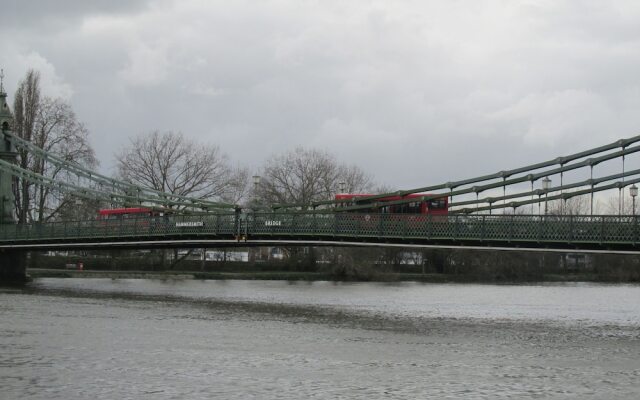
(143, 339)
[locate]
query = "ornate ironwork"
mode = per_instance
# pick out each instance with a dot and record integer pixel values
(544, 230)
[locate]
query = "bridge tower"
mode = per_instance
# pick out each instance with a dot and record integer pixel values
(7, 153)
(12, 262)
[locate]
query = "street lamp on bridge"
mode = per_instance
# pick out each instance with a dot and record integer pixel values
(546, 183)
(256, 183)
(633, 191)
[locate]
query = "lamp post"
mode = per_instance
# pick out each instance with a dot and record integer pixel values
(254, 254)
(546, 183)
(256, 183)
(633, 191)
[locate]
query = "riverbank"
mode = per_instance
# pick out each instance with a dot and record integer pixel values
(60, 273)
(353, 265)
(289, 276)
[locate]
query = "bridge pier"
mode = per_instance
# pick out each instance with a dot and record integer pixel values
(13, 266)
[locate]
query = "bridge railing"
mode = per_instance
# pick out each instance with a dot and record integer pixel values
(491, 228)
(541, 228)
(509, 228)
(216, 224)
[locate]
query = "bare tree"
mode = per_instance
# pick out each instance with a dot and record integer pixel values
(515, 211)
(25, 108)
(238, 186)
(578, 205)
(78, 209)
(303, 176)
(355, 179)
(383, 188)
(51, 125)
(612, 205)
(58, 131)
(171, 163)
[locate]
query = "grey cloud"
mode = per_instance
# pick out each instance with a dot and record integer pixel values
(415, 93)
(33, 14)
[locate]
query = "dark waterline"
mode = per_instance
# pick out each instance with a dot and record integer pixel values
(101, 338)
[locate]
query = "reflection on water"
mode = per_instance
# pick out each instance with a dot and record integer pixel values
(105, 339)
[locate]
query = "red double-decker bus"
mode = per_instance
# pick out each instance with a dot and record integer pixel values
(126, 213)
(130, 220)
(438, 206)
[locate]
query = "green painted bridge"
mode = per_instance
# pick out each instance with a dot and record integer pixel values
(593, 233)
(499, 210)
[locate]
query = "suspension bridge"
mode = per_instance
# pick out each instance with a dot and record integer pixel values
(503, 210)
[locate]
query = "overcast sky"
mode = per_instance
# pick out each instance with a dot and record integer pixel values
(414, 92)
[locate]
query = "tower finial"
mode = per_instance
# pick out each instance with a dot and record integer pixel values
(2, 80)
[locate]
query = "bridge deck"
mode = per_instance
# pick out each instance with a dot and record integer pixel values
(571, 232)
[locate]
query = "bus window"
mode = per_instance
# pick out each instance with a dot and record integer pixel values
(414, 208)
(437, 204)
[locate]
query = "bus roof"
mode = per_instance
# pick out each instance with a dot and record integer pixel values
(131, 210)
(348, 196)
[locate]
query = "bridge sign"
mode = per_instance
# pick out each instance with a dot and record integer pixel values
(189, 224)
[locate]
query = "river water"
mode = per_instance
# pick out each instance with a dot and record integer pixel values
(147, 339)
